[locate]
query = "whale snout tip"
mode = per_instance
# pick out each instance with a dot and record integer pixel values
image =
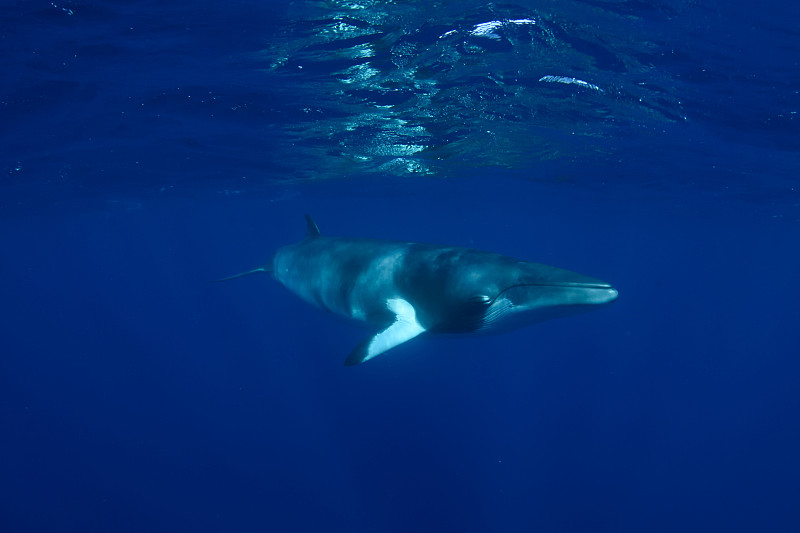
(608, 295)
(600, 293)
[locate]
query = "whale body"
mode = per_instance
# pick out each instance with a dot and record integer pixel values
(405, 289)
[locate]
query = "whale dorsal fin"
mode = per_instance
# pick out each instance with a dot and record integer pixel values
(312, 229)
(405, 327)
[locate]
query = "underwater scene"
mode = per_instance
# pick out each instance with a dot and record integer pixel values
(400, 266)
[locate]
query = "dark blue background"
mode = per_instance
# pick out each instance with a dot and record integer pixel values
(135, 396)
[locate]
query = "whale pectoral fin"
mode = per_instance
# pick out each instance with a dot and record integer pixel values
(405, 327)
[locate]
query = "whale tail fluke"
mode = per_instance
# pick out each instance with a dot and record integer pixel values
(243, 274)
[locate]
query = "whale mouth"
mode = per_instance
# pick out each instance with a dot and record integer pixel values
(575, 284)
(582, 293)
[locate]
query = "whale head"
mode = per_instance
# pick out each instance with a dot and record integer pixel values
(540, 293)
(487, 293)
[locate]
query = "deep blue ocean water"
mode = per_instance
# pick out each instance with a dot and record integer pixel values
(149, 147)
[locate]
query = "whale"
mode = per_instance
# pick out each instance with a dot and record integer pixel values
(402, 290)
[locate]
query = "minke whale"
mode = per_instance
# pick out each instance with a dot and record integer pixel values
(405, 289)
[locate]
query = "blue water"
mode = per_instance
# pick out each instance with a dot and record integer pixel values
(147, 148)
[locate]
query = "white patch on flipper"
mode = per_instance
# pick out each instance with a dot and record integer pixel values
(404, 328)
